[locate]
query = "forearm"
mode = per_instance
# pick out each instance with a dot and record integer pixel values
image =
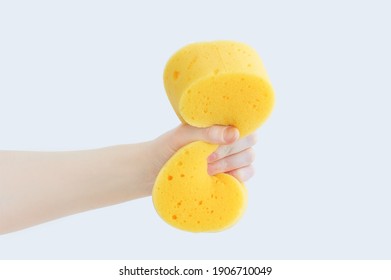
(39, 186)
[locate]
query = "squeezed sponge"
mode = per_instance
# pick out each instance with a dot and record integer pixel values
(210, 83)
(188, 198)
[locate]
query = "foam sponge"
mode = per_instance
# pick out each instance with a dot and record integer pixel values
(188, 198)
(211, 83)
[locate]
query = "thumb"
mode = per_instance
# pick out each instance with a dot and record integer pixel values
(217, 134)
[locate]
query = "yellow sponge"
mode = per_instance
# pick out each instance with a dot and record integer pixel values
(219, 83)
(188, 198)
(211, 83)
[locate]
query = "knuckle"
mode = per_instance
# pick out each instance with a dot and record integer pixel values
(207, 132)
(223, 165)
(224, 150)
(211, 133)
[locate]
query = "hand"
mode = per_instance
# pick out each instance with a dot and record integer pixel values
(233, 157)
(40, 186)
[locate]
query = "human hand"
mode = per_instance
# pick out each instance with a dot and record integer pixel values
(234, 156)
(234, 159)
(106, 176)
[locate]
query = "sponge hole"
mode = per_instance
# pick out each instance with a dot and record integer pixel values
(175, 75)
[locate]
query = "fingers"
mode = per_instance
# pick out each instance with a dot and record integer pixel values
(233, 156)
(226, 150)
(217, 134)
(232, 162)
(220, 134)
(243, 174)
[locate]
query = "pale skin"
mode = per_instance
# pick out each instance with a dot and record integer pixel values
(36, 187)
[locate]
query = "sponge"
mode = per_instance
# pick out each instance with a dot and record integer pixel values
(224, 83)
(219, 83)
(188, 198)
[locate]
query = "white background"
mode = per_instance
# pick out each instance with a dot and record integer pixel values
(86, 74)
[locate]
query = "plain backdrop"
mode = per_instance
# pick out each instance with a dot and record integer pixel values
(86, 74)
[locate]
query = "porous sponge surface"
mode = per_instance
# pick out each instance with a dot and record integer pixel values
(188, 198)
(211, 83)
(219, 82)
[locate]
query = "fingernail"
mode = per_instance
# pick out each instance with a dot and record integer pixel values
(212, 157)
(230, 134)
